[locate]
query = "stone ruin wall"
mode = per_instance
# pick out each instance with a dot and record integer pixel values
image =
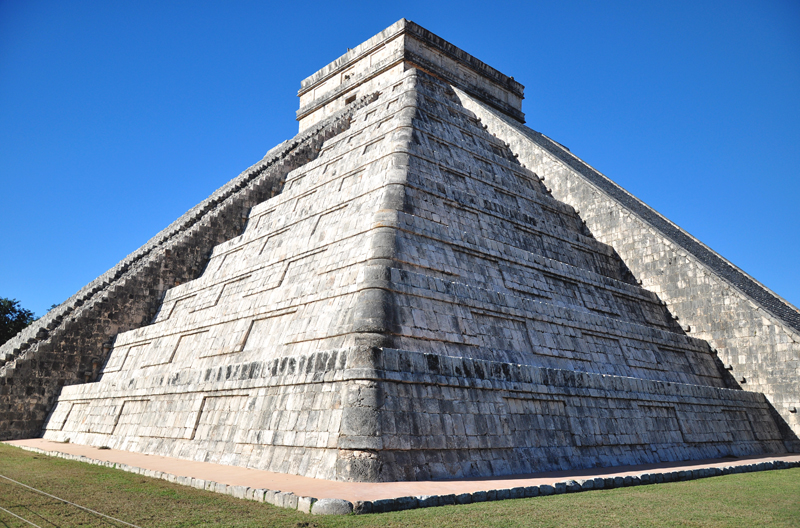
(236, 405)
(435, 416)
(70, 344)
(376, 412)
(755, 333)
(390, 397)
(451, 417)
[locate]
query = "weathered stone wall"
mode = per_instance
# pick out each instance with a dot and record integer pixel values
(245, 363)
(414, 303)
(71, 343)
(464, 417)
(281, 415)
(755, 332)
(386, 414)
(482, 267)
(489, 265)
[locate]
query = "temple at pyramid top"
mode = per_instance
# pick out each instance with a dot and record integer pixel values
(402, 46)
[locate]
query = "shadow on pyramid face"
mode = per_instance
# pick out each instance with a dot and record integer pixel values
(406, 301)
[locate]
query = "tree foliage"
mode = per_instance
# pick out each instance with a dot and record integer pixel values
(13, 318)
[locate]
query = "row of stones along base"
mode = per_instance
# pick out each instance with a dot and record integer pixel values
(343, 507)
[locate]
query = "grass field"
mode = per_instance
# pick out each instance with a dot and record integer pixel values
(770, 498)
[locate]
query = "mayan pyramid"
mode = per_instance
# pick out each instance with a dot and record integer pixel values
(415, 286)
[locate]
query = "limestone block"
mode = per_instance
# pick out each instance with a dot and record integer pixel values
(240, 492)
(428, 501)
(546, 489)
(304, 504)
(516, 493)
(286, 499)
(406, 503)
(502, 494)
(383, 505)
(332, 507)
(479, 496)
(462, 498)
(446, 500)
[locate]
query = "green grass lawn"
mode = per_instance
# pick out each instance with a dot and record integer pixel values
(770, 498)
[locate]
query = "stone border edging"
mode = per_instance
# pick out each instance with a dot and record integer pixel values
(287, 499)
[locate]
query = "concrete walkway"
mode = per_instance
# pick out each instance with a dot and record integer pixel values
(367, 491)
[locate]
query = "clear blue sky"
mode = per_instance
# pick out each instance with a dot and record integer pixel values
(117, 117)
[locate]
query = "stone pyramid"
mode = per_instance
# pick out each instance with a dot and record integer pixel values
(416, 286)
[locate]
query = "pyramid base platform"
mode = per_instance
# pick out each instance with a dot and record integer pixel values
(371, 414)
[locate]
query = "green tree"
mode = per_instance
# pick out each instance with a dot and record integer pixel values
(13, 318)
